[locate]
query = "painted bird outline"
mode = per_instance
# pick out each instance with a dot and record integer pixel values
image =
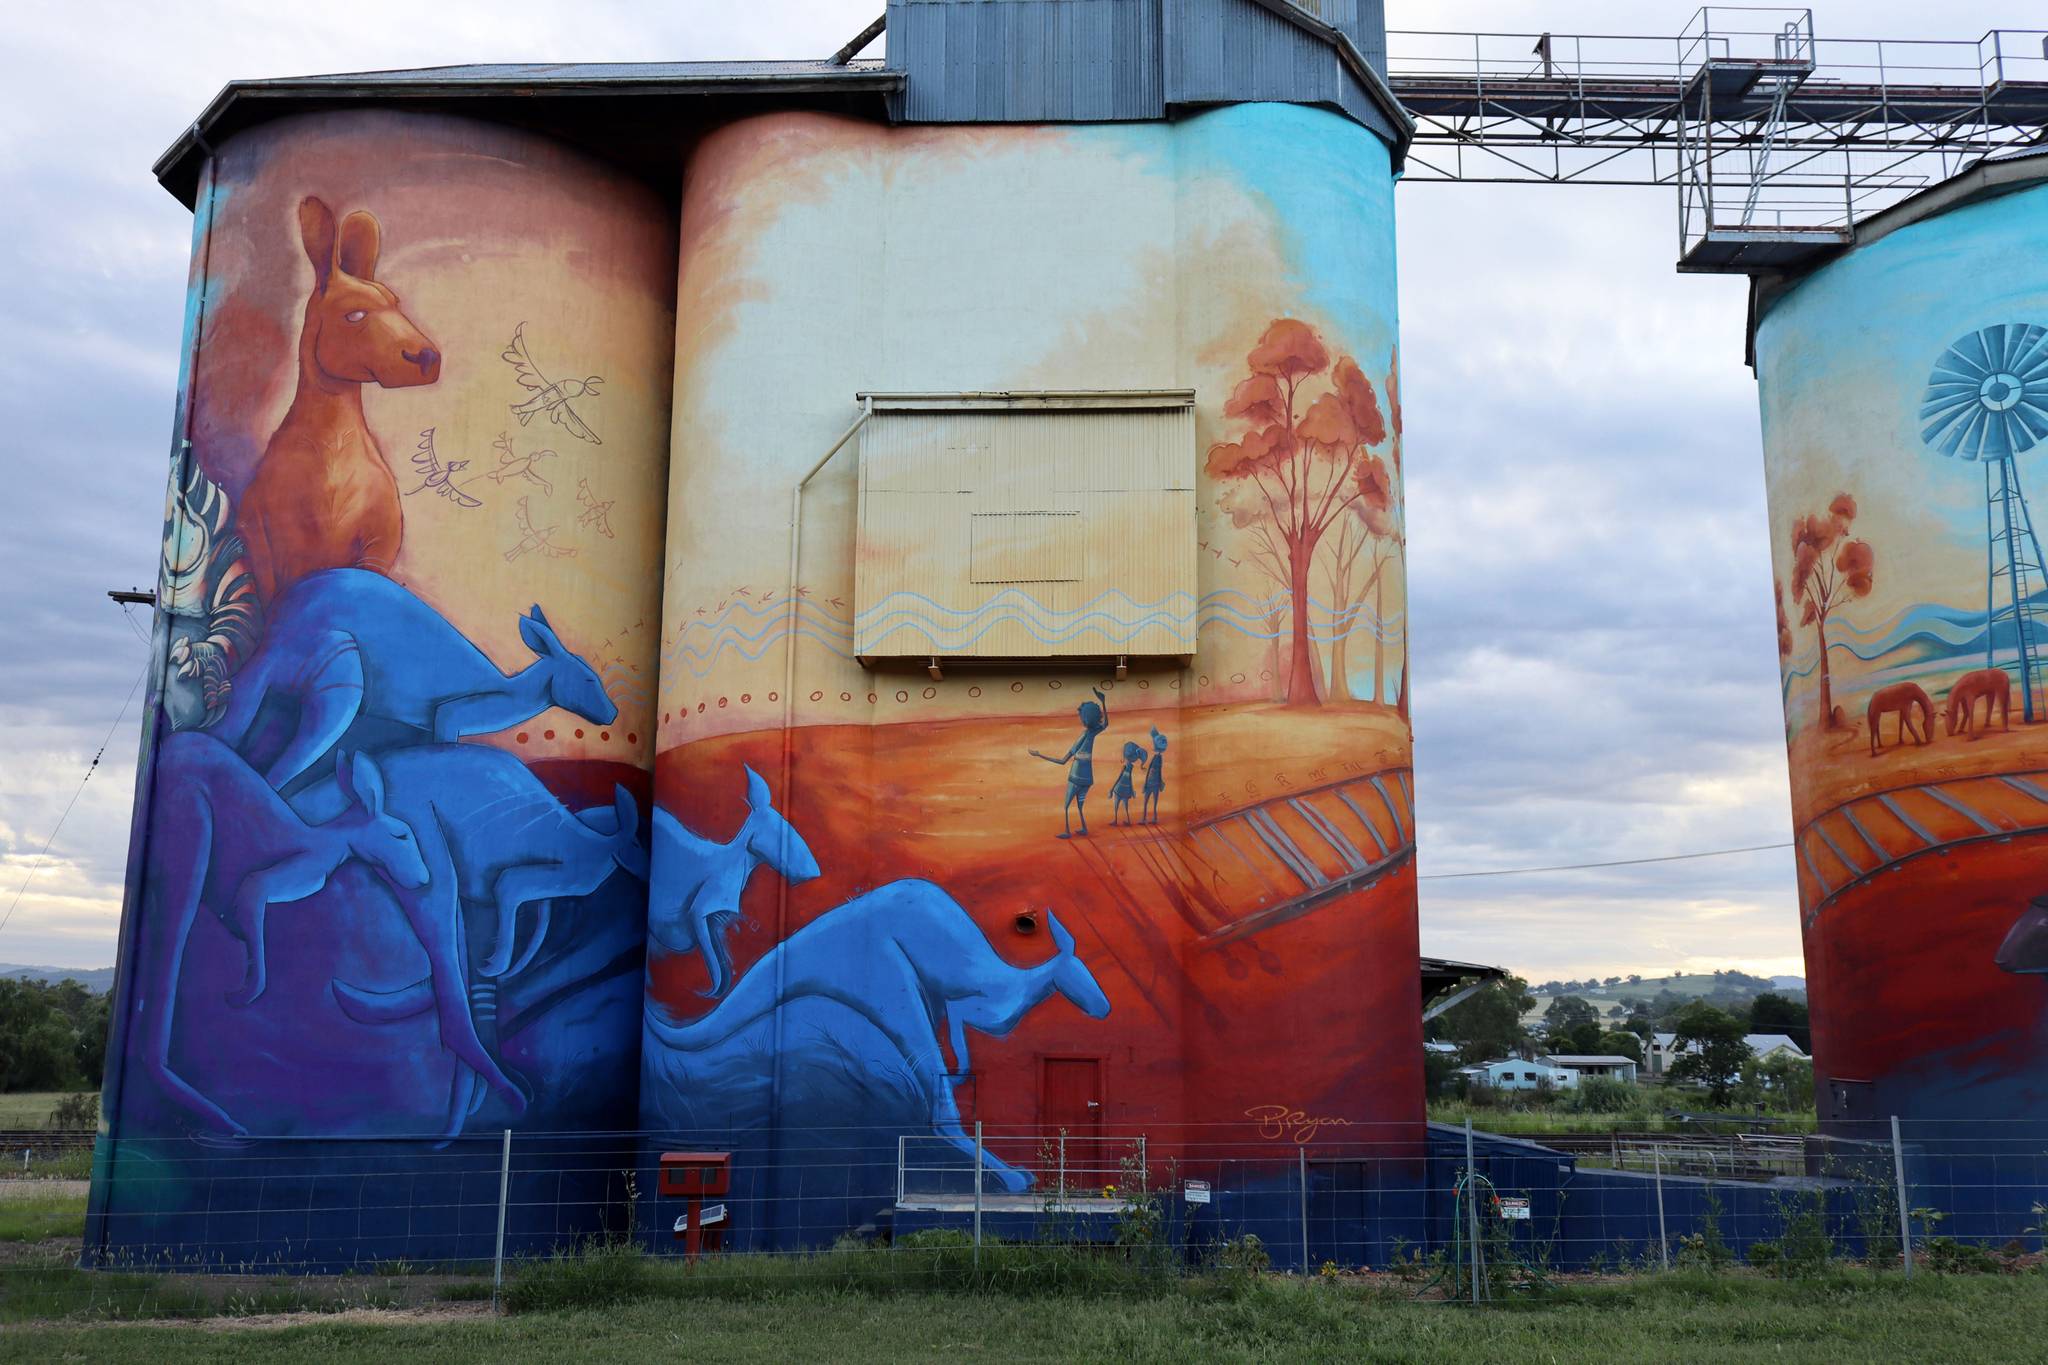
(552, 397)
(513, 465)
(535, 538)
(596, 515)
(436, 475)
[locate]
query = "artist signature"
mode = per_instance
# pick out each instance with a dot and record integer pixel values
(1278, 1121)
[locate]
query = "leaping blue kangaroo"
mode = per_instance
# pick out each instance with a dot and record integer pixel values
(696, 884)
(226, 840)
(490, 833)
(910, 961)
(348, 642)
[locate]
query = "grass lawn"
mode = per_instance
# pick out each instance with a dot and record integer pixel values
(1488, 1120)
(28, 1109)
(1849, 1317)
(36, 1218)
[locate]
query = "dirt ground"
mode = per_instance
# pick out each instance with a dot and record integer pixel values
(1831, 767)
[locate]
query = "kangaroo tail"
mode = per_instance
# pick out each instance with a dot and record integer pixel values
(384, 1007)
(701, 1034)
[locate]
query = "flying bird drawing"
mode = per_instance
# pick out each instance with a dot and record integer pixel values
(596, 515)
(549, 396)
(535, 538)
(437, 476)
(513, 465)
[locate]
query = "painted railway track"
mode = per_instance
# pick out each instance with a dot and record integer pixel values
(1237, 872)
(1866, 837)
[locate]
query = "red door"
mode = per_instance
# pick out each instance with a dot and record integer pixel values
(1071, 1096)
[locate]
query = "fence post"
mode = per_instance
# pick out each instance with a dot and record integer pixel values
(1472, 1207)
(1063, 1167)
(1905, 1216)
(504, 1197)
(977, 1196)
(1663, 1238)
(1302, 1153)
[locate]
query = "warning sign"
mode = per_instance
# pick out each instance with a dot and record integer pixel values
(1514, 1208)
(1196, 1191)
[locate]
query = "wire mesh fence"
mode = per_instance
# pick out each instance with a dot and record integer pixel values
(182, 1226)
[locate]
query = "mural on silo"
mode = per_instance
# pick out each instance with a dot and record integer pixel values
(1046, 898)
(1903, 458)
(396, 842)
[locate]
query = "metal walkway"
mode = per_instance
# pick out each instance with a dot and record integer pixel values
(1778, 141)
(1870, 835)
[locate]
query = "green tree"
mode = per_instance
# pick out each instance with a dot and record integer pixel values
(1773, 1013)
(1711, 1049)
(1568, 1012)
(1487, 1024)
(1621, 1043)
(1789, 1081)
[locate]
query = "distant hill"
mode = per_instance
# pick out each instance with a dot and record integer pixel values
(96, 979)
(1703, 985)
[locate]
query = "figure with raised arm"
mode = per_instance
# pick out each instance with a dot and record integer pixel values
(1081, 776)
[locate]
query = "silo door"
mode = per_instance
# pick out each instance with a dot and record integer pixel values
(1070, 1096)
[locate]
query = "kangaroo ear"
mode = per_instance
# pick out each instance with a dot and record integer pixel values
(367, 783)
(758, 795)
(316, 230)
(539, 636)
(342, 776)
(361, 239)
(627, 810)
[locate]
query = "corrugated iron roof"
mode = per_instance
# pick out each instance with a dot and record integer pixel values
(499, 90)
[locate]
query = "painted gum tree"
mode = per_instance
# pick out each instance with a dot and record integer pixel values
(1828, 569)
(1303, 461)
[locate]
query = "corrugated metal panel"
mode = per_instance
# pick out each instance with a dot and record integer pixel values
(1023, 527)
(1054, 61)
(1235, 51)
(1027, 61)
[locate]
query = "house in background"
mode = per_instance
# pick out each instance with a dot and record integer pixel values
(1515, 1073)
(1619, 1067)
(1664, 1048)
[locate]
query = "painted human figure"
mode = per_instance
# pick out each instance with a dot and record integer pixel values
(1155, 778)
(1094, 720)
(1123, 791)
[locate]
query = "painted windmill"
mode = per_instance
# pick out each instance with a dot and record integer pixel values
(1987, 401)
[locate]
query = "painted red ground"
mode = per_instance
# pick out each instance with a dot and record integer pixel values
(1316, 1017)
(1901, 971)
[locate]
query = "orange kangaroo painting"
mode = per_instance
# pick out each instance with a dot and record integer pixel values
(1902, 699)
(322, 496)
(1993, 686)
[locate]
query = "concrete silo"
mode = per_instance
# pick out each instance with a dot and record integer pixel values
(388, 872)
(998, 558)
(1905, 405)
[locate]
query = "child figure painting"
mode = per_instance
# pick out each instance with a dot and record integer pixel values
(1081, 756)
(1123, 791)
(1155, 778)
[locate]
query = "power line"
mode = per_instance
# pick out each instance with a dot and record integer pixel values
(90, 768)
(1583, 867)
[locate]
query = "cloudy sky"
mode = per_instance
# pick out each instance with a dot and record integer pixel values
(1595, 663)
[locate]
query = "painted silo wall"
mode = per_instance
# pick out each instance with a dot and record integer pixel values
(419, 485)
(1254, 950)
(1892, 382)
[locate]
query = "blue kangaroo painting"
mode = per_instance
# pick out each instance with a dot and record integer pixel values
(496, 840)
(231, 844)
(346, 643)
(448, 843)
(861, 1006)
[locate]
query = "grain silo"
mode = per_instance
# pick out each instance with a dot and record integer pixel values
(1905, 402)
(970, 483)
